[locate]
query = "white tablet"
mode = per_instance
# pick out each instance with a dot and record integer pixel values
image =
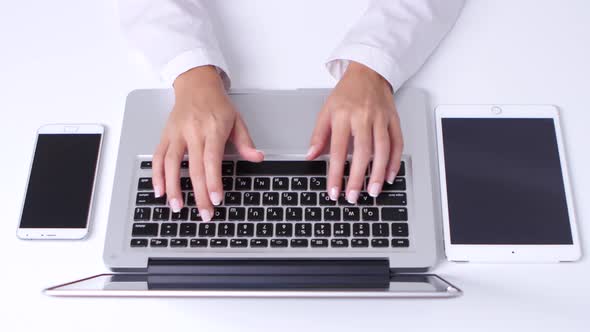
(505, 189)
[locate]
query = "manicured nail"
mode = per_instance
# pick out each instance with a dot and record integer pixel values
(175, 205)
(206, 215)
(157, 191)
(391, 177)
(374, 189)
(215, 198)
(334, 193)
(352, 196)
(310, 151)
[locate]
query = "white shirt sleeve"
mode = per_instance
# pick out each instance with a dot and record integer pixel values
(395, 37)
(174, 35)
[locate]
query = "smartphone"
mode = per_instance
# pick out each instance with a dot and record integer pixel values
(60, 187)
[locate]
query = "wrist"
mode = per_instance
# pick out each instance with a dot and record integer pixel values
(359, 70)
(198, 77)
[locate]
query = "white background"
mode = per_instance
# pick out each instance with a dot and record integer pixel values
(65, 61)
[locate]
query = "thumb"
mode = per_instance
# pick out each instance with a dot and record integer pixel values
(320, 135)
(240, 137)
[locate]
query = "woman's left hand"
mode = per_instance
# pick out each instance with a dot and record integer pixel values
(362, 106)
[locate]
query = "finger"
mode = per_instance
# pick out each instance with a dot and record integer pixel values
(320, 135)
(241, 139)
(381, 141)
(158, 181)
(213, 156)
(198, 179)
(172, 161)
(338, 150)
(363, 146)
(397, 147)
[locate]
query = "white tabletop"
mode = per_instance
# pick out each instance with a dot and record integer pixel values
(65, 61)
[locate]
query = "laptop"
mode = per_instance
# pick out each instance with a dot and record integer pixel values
(276, 233)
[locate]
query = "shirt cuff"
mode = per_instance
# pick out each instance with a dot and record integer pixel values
(369, 56)
(194, 58)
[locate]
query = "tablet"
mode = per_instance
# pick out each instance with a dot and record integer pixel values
(505, 188)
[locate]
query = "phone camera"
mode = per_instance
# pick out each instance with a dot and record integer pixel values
(496, 110)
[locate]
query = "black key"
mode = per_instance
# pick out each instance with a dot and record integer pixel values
(135, 243)
(218, 243)
(399, 229)
(402, 169)
(245, 229)
(169, 229)
(398, 184)
(389, 198)
(325, 199)
(228, 183)
(255, 214)
(347, 168)
(226, 229)
(145, 184)
(233, 198)
(146, 199)
(365, 199)
(280, 167)
(243, 183)
(274, 214)
(238, 243)
(264, 229)
(198, 243)
(359, 243)
(176, 243)
(394, 214)
(380, 229)
(279, 243)
(339, 243)
(360, 229)
(251, 198)
(302, 229)
(195, 215)
(261, 183)
(332, 214)
(342, 199)
(184, 164)
(219, 214)
(299, 243)
(145, 230)
(190, 199)
(284, 229)
(227, 168)
(341, 229)
(294, 214)
(158, 243)
(317, 183)
(182, 215)
(280, 183)
(289, 198)
(370, 214)
(351, 214)
(270, 198)
(309, 198)
(298, 183)
(145, 165)
(379, 243)
(313, 214)
(319, 243)
(207, 229)
(400, 243)
(186, 184)
(259, 243)
(322, 230)
(142, 214)
(236, 214)
(188, 229)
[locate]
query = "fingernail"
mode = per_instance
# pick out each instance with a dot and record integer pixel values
(260, 151)
(310, 151)
(175, 205)
(157, 191)
(352, 196)
(334, 193)
(391, 177)
(374, 189)
(206, 215)
(215, 198)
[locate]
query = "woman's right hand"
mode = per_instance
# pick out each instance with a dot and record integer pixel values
(201, 122)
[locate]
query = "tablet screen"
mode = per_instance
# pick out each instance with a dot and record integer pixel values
(504, 182)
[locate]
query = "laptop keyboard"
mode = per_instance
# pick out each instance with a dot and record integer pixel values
(273, 204)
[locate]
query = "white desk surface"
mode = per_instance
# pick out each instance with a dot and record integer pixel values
(65, 61)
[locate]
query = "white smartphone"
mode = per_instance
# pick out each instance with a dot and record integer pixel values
(58, 199)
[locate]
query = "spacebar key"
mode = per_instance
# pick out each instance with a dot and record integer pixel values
(281, 167)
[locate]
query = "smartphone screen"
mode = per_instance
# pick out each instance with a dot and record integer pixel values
(61, 181)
